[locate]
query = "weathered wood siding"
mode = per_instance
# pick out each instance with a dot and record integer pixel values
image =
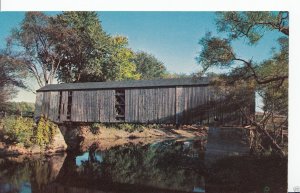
(176, 105)
(38, 104)
(192, 104)
(155, 105)
(47, 104)
(93, 106)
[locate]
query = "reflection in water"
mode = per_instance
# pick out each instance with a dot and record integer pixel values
(168, 166)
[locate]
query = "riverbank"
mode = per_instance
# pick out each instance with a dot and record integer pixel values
(83, 137)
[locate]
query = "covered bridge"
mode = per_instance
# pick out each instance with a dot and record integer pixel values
(175, 101)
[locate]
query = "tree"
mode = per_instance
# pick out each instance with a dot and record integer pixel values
(269, 78)
(121, 61)
(86, 47)
(11, 77)
(92, 54)
(148, 66)
(33, 44)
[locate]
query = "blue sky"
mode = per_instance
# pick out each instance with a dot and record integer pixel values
(172, 37)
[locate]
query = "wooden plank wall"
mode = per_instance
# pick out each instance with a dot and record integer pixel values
(47, 104)
(93, 106)
(192, 104)
(38, 104)
(154, 105)
(180, 105)
(53, 106)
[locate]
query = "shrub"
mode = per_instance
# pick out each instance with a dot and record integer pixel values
(95, 128)
(44, 132)
(18, 130)
(25, 131)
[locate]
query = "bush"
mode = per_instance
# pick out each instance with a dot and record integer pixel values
(44, 132)
(95, 128)
(18, 130)
(25, 131)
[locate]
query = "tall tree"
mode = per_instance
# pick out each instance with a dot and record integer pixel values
(149, 66)
(92, 54)
(11, 77)
(87, 47)
(269, 77)
(33, 43)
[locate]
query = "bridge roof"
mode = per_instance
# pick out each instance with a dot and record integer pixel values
(204, 81)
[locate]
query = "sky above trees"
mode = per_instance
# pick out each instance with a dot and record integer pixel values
(172, 37)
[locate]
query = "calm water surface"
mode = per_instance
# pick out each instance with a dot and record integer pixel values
(185, 165)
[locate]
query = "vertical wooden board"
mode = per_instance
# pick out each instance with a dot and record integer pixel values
(87, 106)
(135, 101)
(110, 108)
(95, 107)
(172, 105)
(150, 105)
(53, 106)
(144, 93)
(100, 106)
(112, 105)
(79, 106)
(158, 104)
(92, 107)
(73, 106)
(47, 104)
(178, 91)
(140, 105)
(156, 109)
(126, 106)
(146, 106)
(165, 105)
(83, 111)
(136, 105)
(38, 104)
(105, 107)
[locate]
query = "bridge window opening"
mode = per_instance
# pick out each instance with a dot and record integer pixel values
(59, 105)
(69, 107)
(120, 104)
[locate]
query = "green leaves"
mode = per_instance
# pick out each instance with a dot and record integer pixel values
(148, 66)
(251, 25)
(216, 52)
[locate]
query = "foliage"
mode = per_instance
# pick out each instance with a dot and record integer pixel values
(102, 57)
(252, 24)
(269, 78)
(11, 76)
(20, 107)
(87, 38)
(32, 44)
(72, 47)
(148, 66)
(121, 65)
(25, 131)
(18, 130)
(95, 128)
(44, 132)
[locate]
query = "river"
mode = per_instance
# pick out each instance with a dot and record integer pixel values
(212, 164)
